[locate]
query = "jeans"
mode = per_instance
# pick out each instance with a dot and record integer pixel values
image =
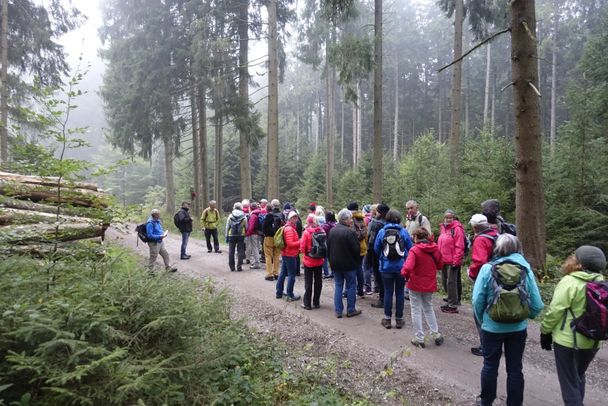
(312, 285)
(273, 257)
(156, 249)
(185, 238)
(393, 283)
(571, 366)
(326, 271)
(238, 244)
(360, 278)
(422, 302)
(340, 278)
(252, 249)
(367, 274)
(514, 345)
(288, 270)
(216, 243)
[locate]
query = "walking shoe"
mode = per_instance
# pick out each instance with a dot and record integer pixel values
(369, 292)
(209, 252)
(316, 306)
(399, 323)
(171, 269)
(339, 315)
(279, 296)
(183, 258)
(292, 298)
(379, 304)
(218, 251)
(247, 261)
(354, 313)
(303, 306)
(386, 323)
(276, 277)
(438, 338)
(448, 309)
(406, 296)
(239, 269)
(269, 278)
(416, 343)
(477, 351)
(254, 267)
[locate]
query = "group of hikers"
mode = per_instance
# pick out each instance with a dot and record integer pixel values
(372, 251)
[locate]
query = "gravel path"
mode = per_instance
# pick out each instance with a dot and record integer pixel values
(361, 357)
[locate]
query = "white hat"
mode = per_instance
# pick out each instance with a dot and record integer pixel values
(478, 219)
(291, 214)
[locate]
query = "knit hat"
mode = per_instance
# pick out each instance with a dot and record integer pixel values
(383, 208)
(449, 212)
(591, 258)
(367, 208)
(478, 219)
(291, 215)
(353, 206)
(312, 207)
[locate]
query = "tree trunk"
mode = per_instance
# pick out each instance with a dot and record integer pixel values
(486, 99)
(342, 135)
(48, 194)
(396, 118)
(530, 204)
(196, 160)
(330, 128)
(48, 233)
(466, 95)
(359, 122)
(201, 107)
(298, 135)
(13, 203)
(319, 133)
(169, 179)
(219, 141)
(493, 107)
(553, 128)
(355, 121)
(4, 86)
(454, 149)
(273, 103)
(244, 138)
(440, 115)
(377, 144)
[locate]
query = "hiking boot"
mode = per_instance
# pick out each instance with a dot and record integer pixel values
(477, 351)
(209, 252)
(399, 323)
(247, 261)
(354, 313)
(305, 307)
(416, 343)
(171, 269)
(293, 298)
(218, 251)
(448, 309)
(438, 338)
(339, 315)
(239, 269)
(386, 323)
(316, 306)
(276, 277)
(269, 278)
(379, 304)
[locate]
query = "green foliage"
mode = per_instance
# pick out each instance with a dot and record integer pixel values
(313, 186)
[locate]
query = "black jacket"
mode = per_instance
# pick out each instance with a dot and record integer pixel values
(343, 249)
(184, 221)
(267, 226)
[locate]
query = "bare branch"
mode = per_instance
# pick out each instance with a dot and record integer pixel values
(525, 24)
(503, 89)
(490, 38)
(534, 88)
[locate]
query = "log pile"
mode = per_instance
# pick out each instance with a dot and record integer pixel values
(38, 215)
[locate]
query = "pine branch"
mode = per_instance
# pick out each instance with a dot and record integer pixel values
(490, 38)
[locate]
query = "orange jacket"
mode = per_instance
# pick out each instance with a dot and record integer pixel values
(292, 241)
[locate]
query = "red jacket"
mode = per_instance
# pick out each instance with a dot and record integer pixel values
(306, 246)
(292, 241)
(420, 267)
(253, 227)
(481, 250)
(451, 243)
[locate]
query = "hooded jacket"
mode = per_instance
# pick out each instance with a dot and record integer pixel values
(154, 230)
(209, 218)
(395, 265)
(292, 241)
(451, 243)
(253, 225)
(481, 250)
(359, 216)
(570, 293)
(483, 294)
(306, 246)
(267, 227)
(236, 216)
(343, 249)
(420, 267)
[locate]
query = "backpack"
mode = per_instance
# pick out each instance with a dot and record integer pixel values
(279, 241)
(141, 233)
(375, 226)
(176, 219)
(593, 323)
(277, 222)
(467, 241)
(511, 302)
(506, 228)
(360, 228)
(393, 246)
(319, 245)
(236, 227)
(261, 218)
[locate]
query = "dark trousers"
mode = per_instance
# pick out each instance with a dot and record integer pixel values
(375, 261)
(360, 278)
(236, 244)
(514, 345)
(312, 284)
(185, 238)
(394, 283)
(571, 365)
(216, 243)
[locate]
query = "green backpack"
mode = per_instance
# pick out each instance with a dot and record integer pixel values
(511, 303)
(279, 241)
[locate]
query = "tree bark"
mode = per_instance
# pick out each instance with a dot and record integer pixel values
(486, 99)
(4, 86)
(355, 121)
(43, 193)
(553, 127)
(530, 204)
(377, 144)
(47, 181)
(298, 135)
(359, 122)
(47, 233)
(454, 148)
(342, 134)
(396, 117)
(13, 203)
(201, 107)
(169, 178)
(330, 127)
(244, 138)
(196, 161)
(219, 141)
(273, 103)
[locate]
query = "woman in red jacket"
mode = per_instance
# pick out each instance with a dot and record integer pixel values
(420, 272)
(289, 257)
(314, 248)
(451, 246)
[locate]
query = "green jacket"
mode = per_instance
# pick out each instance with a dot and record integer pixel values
(569, 294)
(210, 218)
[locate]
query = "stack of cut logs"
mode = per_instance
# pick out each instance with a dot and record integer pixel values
(37, 214)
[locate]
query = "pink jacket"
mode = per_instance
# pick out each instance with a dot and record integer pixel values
(481, 251)
(451, 243)
(292, 241)
(420, 267)
(253, 227)
(306, 246)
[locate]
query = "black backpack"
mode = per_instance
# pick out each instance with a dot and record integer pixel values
(236, 227)
(506, 228)
(393, 246)
(277, 222)
(176, 219)
(141, 233)
(467, 241)
(319, 245)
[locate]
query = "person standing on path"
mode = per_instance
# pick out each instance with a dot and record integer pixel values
(311, 247)
(420, 272)
(156, 235)
(508, 335)
(252, 237)
(573, 351)
(414, 220)
(343, 251)
(392, 245)
(451, 246)
(209, 221)
(376, 224)
(183, 222)
(289, 255)
(360, 229)
(236, 228)
(330, 222)
(272, 222)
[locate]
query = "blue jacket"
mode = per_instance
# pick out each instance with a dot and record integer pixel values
(154, 230)
(483, 295)
(386, 265)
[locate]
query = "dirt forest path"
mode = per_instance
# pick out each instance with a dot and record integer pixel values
(443, 375)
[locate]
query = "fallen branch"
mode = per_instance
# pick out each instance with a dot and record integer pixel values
(490, 38)
(9, 202)
(43, 193)
(47, 234)
(47, 181)
(9, 216)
